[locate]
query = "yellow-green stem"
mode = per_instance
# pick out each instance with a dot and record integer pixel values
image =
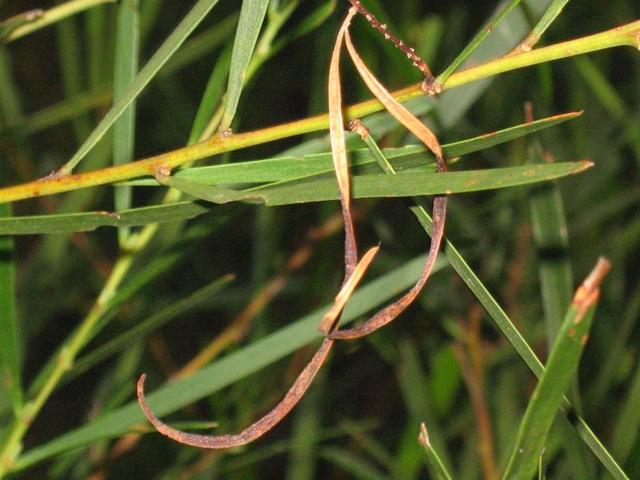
(626, 35)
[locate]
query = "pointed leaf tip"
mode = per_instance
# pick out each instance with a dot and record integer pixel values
(583, 165)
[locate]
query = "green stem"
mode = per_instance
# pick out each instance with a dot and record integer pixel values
(54, 15)
(626, 35)
(62, 364)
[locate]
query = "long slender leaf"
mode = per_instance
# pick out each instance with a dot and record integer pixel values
(434, 462)
(229, 369)
(625, 433)
(372, 186)
(418, 183)
(550, 14)
(249, 25)
(559, 372)
(84, 222)
(368, 186)
(10, 370)
(10, 339)
(154, 321)
(126, 65)
(162, 55)
(212, 94)
(515, 338)
(290, 167)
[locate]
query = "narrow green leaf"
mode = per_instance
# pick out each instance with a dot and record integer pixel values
(10, 375)
(126, 65)
(552, 245)
(162, 55)
(434, 463)
(83, 222)
(625, 433)
(515, 338)
(212, 94)
(413, 386)
(291, 167)
(251, 18)
(559, 372)
(550, 14)
(155, 320)
(230, 368)
(413, 184)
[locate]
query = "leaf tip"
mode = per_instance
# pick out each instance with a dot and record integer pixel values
(583, 165)
(588, 293)
(423, 436)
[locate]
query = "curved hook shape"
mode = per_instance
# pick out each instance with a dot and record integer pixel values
(253, 431)
(420, 130)
(391, 312)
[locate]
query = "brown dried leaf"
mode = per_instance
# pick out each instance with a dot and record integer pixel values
(329, 320)
(339, 148)
(413, 124)
(395, 108)
(255, 430)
